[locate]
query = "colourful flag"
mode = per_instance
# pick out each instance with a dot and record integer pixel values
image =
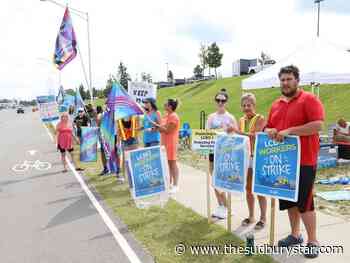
(122, 103)
(66, 43)
(88, 146)
(107, 130)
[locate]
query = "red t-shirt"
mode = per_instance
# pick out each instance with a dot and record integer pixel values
(302, 109)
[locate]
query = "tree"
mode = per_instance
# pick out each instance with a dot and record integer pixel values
(82, 92)
(203, 57)
(263, 57)
(198, 72)
(146, 77)
(214, 57)
(111, 79)
(94, 92)
(123, 76)
(170, 76)
(70, 92)
(87, 95)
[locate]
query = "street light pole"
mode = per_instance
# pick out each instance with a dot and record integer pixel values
(84, 16)
(318, 2)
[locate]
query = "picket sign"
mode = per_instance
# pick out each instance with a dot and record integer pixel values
(276, 172)
(231, 160)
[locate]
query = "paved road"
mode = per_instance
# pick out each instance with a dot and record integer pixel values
(45, 215)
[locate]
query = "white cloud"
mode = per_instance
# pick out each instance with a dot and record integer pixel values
(147, 34)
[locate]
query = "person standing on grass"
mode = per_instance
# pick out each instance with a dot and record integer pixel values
(220, 120)
(169, 130)
(151, 136)
(99, 113)
(249, 125)
(64, 138)
(302, 114)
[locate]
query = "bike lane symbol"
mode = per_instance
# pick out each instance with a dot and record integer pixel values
(26, 165)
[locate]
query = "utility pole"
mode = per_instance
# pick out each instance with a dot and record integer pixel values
(318, 2)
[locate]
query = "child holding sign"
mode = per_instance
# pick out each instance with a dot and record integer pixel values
(249, 124)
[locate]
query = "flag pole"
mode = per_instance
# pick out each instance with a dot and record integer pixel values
(89, 53)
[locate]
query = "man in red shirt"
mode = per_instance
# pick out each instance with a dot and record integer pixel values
(299, 113)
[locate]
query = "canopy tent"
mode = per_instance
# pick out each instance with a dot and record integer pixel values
(319, 61)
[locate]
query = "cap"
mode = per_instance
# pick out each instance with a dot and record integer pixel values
(150, 100)
(80, 110)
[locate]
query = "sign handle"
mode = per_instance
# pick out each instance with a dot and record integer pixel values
(229, 213)
(272, 222)
(208, 196)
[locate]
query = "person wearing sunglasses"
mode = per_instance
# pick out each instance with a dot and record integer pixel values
(220, 120)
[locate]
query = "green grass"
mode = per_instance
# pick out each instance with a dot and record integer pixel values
(200, 96)
(160, 230)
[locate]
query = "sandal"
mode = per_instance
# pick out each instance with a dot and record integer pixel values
(259, 225)
(247, 222)
(64, 170)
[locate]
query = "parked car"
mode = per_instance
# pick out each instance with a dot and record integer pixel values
(20, 110)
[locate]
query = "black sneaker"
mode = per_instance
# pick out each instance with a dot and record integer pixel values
(311, 250)
(290, 241)
(104, 172)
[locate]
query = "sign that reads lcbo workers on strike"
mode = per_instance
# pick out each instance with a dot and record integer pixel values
(276, 167)
(203, 141)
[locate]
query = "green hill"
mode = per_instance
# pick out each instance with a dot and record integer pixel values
(200, 96)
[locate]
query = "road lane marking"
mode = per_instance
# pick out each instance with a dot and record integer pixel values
(124, 245)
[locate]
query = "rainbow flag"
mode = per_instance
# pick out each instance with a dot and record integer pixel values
(66, 43)
(122, 103)
(107, 132)
(88, 146)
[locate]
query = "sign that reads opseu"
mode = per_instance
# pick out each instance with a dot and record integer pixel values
(48, 108)
(141, 90)
(231, 159)
(276, 167)
(148, 171)
(203, 141)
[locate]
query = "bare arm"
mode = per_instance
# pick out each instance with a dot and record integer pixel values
(168, 128)
(307, 129)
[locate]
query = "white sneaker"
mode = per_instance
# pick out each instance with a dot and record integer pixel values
(216, 212)
(174, 190)
(222, 212)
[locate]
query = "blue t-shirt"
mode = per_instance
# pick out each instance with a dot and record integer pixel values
(150, 136)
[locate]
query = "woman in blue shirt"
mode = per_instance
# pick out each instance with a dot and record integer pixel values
(151, 136)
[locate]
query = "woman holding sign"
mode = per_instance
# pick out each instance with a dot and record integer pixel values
(169, 129)
(220, 120)
(249, 124)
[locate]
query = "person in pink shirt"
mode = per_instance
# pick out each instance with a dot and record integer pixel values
(64, 138)
(169, 130)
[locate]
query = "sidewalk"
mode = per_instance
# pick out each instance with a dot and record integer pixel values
(331, 230)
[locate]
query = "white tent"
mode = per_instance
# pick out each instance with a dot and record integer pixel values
(319, 61)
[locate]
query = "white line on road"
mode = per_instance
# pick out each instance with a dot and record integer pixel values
(108, 221)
